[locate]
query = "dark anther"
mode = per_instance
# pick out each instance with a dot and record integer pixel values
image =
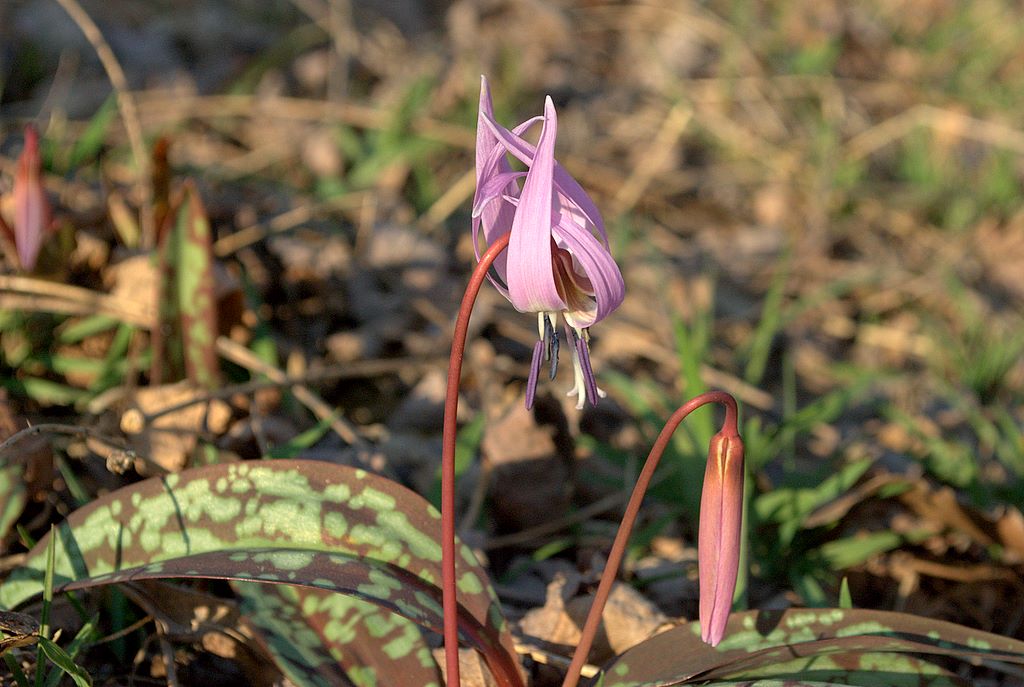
(551, 339)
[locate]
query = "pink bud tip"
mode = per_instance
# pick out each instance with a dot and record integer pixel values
(31, 209)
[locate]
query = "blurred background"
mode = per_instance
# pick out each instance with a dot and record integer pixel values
(816, 206)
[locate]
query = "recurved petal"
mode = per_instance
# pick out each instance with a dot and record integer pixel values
(493, 213)
(493, 187)
(606, 287)
(491, 163)
(531, 282)
(500, 262)
(486, 141)
(567, 187)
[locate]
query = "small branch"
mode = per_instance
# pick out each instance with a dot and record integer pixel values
(129, 114)
(66, 430)
(241, 355)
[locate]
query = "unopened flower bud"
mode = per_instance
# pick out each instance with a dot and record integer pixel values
(718, 543)
(31, 208)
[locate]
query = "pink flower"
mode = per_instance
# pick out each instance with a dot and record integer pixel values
(558, 259)
(718, 541)
(31, 209)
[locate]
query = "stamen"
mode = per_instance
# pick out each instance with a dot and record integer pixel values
(531, 381)
(588, 372)
(551, 338)
(579, 388)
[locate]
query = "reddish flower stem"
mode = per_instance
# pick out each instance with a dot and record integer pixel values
(504, 671)
(618, 550)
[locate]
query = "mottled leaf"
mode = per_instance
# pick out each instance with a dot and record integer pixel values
(857, 669)
(296, 522)
(321, 639)
(183, 341)
(778, 683)
(756, 641)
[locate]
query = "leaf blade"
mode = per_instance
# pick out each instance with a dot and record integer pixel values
(289, 521)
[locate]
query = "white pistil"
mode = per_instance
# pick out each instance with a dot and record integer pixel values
(579, 385)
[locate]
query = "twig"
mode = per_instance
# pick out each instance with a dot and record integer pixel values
(27, 293)
(947, 121)
(582, 515)
(355, 370)
(129, 113)
(653, 161)
(286, 221)
(240, 355)
(336, 20)
(552, 659)
(162, 107)
(66, 430)
(458, 193)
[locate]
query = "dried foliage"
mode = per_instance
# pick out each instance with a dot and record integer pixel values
(816, 206)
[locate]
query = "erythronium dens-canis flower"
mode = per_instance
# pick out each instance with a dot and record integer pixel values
(558, 259)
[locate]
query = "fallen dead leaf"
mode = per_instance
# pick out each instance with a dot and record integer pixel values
(169, 439)
(627, 619)
(1010, 528)
(529, 454)
(473, 672)
(941, 507)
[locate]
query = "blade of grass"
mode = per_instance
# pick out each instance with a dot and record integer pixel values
(88, 144)
(769, 324)
(64, 662)
(44, 615)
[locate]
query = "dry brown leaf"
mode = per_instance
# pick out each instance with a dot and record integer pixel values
(627, 619)
(1001, 251)
(423, 408)
(187, 615)
(940, 506)
(530, 457)
(168, 440)
(134, 280)
(551, 623)
(1010, 528)
(473, 672)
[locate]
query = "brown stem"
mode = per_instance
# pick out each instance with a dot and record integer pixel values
(618, 550)
(504, 671)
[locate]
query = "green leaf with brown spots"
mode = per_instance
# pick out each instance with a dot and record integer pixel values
(185, 335)
(856, 669)
(320, 639)
(761, 643)
(297, 522)
(773, 683)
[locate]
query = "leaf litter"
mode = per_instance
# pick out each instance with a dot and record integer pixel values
(813, 152)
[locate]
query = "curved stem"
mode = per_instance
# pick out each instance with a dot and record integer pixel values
(506, 675)
(615, 555)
